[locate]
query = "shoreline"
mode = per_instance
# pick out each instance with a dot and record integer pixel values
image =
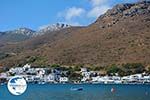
(83, 84)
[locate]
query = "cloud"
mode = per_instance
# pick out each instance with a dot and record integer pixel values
(98, 2)
(99, 7)
(72, 13)
(77, 15)
(71, 16)
(97, 11)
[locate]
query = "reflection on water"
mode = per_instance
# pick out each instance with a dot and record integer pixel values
(90, 92)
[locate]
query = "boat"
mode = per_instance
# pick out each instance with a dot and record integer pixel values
(42, 82)
(76, 89)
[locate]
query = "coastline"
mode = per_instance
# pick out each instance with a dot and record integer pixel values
(57, 75)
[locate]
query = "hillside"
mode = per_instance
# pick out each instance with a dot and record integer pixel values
(121, 35)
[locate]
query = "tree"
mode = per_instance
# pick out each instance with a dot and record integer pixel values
(113, 69)
(133, 68)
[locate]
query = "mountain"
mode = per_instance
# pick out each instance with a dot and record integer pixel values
(121, 35)
(1, 33)
(23, 31)
(51, 28)
(16, 35)
(22, 34)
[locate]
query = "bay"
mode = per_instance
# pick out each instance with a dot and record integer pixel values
(89, 92)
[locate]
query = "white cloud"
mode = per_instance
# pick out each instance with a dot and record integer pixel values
(98, 2)
(99, 7)
(71, 15)
(97, 11)
(73, 12)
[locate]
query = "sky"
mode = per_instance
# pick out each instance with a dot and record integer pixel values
(36, 14)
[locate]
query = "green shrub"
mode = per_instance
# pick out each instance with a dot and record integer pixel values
(133, 68)
(113, 69)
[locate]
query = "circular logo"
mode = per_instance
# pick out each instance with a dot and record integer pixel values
(17, 85)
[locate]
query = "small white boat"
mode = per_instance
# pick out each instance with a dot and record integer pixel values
(42, 82)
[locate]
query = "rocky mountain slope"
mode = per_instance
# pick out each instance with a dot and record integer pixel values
(22, 34)
(51, 28)
(16, 35)
(121, 35)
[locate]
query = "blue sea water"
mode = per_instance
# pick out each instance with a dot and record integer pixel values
(90, 92)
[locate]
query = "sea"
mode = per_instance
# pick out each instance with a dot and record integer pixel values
(88, 92)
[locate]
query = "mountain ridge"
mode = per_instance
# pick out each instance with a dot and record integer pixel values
(114, 38)
(23, 33)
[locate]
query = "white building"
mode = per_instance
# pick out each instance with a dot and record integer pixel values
(3, 75)
(63, 79)
(26, 67)
(31, 71)
(50, 78)
(83, 70)
(17, 70)
(41, 72)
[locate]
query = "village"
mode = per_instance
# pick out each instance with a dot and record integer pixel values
(56, 75)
